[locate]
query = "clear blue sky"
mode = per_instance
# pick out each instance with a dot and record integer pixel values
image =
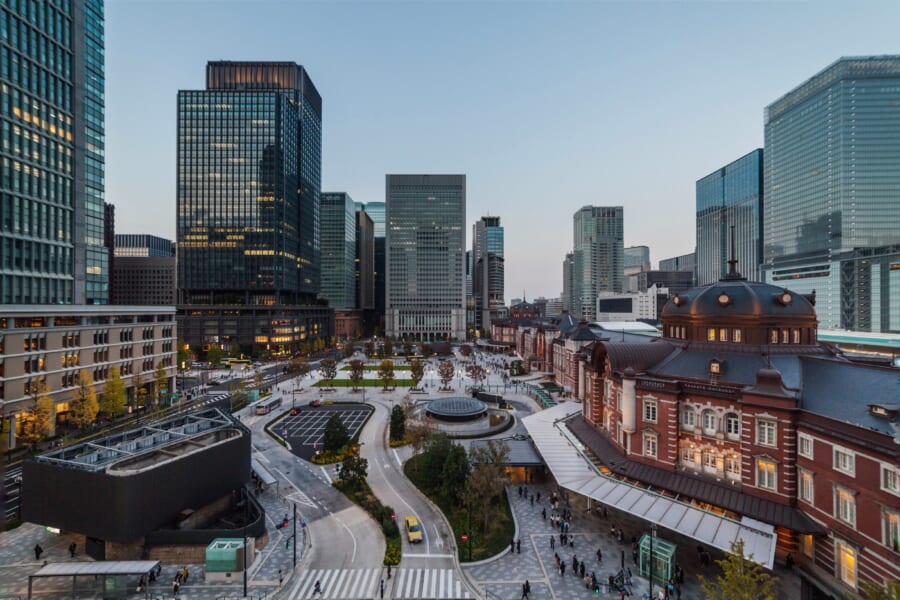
(545, 106)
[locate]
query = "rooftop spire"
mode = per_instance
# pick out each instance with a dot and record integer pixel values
(732, 275)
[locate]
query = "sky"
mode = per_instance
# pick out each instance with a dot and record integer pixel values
(545, 106)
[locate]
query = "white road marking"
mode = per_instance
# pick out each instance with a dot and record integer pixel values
(325, 473)
(353, 537)
(397, 456)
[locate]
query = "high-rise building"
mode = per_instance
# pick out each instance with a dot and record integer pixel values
(684, 262)
(338, 249)
(249, 165)
(487, 271)
(730, 197)
(598, 256)
(567, 298)
(636, 259)
(376, 211)
(141, 244)
(142, 270)
(365, 260)
(55, 229)
(832, 171)
(425, 220)
(51, 239)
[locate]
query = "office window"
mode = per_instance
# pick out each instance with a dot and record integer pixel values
(844, 461)
(805, 446)
(845, 563)
(732, 425)
(765, 432)
(688, 417)
(650, 411)
(845, 505)
(806, 486)
(766, 474)
(807, 545)
(650, 444)
(890, 479)
(709, 422)
(890, 525)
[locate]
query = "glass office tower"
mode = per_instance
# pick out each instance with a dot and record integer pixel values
(338, 249)
(832, 171)
(376, 211)
(599, 252)
(426, 240)
(732, 195)
(51, 160)
(487, 269)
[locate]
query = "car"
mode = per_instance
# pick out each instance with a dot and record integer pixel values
(315, 403)
(413, 530)
(295, 412)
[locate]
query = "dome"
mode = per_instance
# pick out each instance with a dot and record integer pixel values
(730, 298)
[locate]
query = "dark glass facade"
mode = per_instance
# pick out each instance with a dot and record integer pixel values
(52, 153)
(338, 249)
(599, 252)
(732, 195)
(832, 171)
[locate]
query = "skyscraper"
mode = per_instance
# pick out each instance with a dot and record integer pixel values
(487, 271)
(249, 164)
(365, 260)
(51, 239)
(376, 211)
(730, 196)
(832, 171)
(636, 259)
(338, 249)
(598, 256)
(426, 239)
(567, 297)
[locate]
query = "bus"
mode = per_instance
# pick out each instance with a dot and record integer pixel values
(266, 406)
(237, 361)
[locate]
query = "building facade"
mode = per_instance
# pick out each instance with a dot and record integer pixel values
(52, 236)
(365, 261)
(674, 281)
(834, 126)
(598, 256)
(631, 307)
(143, 280)
(567, 297)
(685, 262)
(376, 210)
(425, 218)
(141, 244)
(487, 271)
(636, 259)
(248, 171)
(338, 249)
(730, 197)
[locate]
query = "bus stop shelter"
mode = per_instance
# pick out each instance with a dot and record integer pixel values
(114, 574)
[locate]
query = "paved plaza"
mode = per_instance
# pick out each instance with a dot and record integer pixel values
(305, 430)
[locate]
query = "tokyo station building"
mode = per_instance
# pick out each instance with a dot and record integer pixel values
(738, 411)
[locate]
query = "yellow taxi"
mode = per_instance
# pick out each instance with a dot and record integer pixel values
(413, 530)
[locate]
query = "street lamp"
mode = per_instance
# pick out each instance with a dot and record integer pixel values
(652, 535)
(181, 387)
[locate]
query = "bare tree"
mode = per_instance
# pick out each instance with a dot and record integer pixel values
(488, 477)
(357, 372)
(446, 373)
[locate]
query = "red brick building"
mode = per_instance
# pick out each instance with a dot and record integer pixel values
(739, 409)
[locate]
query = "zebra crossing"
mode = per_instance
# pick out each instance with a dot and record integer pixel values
(353, 584)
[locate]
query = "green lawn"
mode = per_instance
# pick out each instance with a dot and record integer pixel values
(485, 542)
(346, 383)
(377, 367)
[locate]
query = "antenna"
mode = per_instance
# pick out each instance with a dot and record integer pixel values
(732, 262)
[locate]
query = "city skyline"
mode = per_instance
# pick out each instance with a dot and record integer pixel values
(677, 89)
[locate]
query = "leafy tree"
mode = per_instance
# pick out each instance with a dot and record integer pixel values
(465, 350)
(369, 349)
(184, 354)
(407, 349)
(386, 372)
(741, 578)
(335, 435)
(328, 370)
(433, 459)
(112, 402)
(161, 381)
(319, 344)
(348, 350)
(426, 350)
(298, 366)
(477, 373)
(488, 477)
(387, 349)
(516, 368)
(234, 350)
(876, 591)
(84, 405)
(416, 371)
(137, 383)
(455, 474)
(357, 372)
(354, 470)
(398, 423)
(419, 435)
(38, 417)
(214, 355)
(446, 373)
(237, 391)
(258, 379)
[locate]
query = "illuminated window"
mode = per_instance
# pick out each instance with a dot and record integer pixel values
(736, 335)
(890, 525)
(785, 336)
(844, 461)
(766, 474)
(765, 432)
(796, 335)
(711, 334)
(710, 460)
(806, 486)
(687, 454)
(733, 466)
(723, 335)
(845, 505)
(807, 545)
(845, 563)
(773, 336)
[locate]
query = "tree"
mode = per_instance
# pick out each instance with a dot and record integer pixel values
(741, 578)
(416, 371)
(407, 349)
(876, 591)
(237, 394)
(348, 350)
(446, 373)
(328, 370)
(258, 379)
(112, 402)
(369, 349)
(335, 435)
(386, 372)
(84, 405)
(357, 372)
(419, 434)
(137, 382)
(214, 355)
(38, 417)
(387, 349)
(298, 366)
(398, 423)
(433, 459)
(305, 347)
(455, 474)
(488, 477)
(234, 350)
(354, 470)
(161, 381)
(465, 350)
(477, 373)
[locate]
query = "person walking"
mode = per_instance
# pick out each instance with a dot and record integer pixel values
(175, 585)
(280, 578)
(38, 551)
(552, 542)
(72, 547)
(184, 574)
(389, 571)
(562, 569)
(512, 546)
(519, 546)
(599, 555)
(382, 589)
(544, 514)
(317, 589)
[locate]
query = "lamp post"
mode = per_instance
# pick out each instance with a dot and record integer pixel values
(650, 566)
(181, 386)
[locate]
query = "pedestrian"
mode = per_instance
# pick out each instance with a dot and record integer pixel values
(519, 546)
(72, 548)
(552, 542)
(571, 541)
(599, 555)
(317, 589)
(382, 589)
(562, 568)
(539, 497)
(634, 555)
(574, 563)
(184, 575)
(389, 571)
(280, 578)
(532, 499)
(175, 585)
(581, 568)
(38, 551)
(544, 514)
(512, 546)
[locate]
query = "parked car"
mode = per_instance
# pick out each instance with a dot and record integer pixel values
(315, 403)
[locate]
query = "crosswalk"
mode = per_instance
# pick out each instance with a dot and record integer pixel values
(354, 584)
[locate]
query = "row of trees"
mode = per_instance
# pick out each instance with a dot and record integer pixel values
(407, 349)
(85, 404)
